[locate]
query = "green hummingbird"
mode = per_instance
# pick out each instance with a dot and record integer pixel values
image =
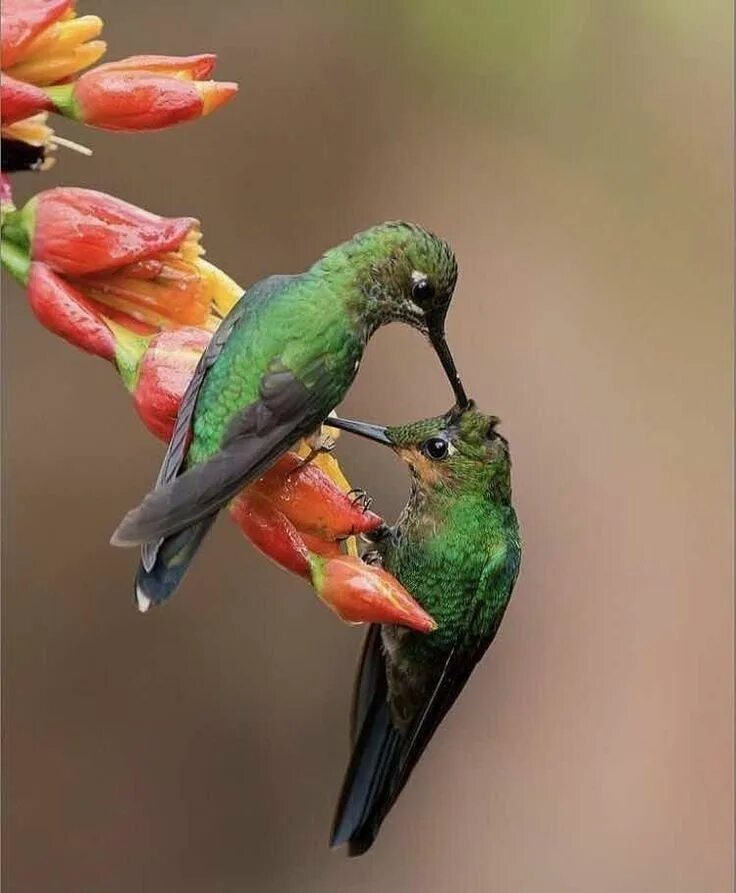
(278, 364)
(456, 549)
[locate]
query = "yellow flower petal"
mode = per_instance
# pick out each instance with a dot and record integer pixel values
(30, 130)
(225, 292)
(47, 70)
(61, 37)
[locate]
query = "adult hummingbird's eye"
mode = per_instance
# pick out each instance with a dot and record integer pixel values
(436, 448)
(422, 289)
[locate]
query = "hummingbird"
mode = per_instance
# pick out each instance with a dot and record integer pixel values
(276, 367)
(456, 549)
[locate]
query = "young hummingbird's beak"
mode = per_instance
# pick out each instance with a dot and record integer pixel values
(373, 432)
(439, 343)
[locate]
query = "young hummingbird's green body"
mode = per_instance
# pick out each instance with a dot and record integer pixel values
(277, 366)
(456, 549)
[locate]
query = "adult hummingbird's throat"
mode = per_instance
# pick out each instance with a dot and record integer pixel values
(372, 432)
(437, 339)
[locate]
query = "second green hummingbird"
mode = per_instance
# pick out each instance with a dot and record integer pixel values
(456, 549)
(282, 359)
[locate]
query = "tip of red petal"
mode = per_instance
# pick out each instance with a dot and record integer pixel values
(215, 93)
(367, 522)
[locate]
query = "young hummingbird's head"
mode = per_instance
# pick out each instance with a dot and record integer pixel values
(459, 452)
(405, 273)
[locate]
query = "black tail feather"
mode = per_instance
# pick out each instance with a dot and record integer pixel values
(384, 754)
(174, 555)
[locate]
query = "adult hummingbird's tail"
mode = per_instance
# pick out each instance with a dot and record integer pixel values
(156, 583)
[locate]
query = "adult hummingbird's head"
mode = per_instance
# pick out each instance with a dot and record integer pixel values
(458, 452)
(404, 273)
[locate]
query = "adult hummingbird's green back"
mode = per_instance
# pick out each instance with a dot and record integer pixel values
(279, 363)
(456, 549)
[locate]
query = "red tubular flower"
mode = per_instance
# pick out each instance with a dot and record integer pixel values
(143, 93)
(163, 376)
(19, 100)
(271, 532)
(122, 257)
(79, 232)
(360, 593)
(312, 502)
(67, 313)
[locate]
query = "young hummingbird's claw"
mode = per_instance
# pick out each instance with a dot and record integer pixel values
(373, 559)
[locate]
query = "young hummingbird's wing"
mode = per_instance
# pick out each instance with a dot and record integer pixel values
(385, 753)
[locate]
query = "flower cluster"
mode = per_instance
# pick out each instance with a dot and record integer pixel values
(134, 288)
(45, 48)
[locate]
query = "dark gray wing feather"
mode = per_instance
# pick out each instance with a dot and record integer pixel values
(383, 755)
(177, 447)
(263, 431)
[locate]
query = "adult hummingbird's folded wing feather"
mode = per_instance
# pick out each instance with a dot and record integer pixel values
(258, 435)
(177, 446)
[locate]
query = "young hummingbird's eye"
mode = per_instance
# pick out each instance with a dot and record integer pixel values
(422, 289)
(436, 448)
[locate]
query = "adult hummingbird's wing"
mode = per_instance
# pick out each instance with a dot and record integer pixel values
(177, 446)
(285, 411)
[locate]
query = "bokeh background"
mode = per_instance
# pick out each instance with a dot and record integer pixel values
(578, 156)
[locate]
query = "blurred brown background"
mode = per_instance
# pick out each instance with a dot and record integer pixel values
(578, 156)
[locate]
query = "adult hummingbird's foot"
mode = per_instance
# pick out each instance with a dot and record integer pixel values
(361, 498)
(319, 442)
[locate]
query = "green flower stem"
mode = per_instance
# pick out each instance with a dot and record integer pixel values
(129, 351)
(64, 101)
(15, 260)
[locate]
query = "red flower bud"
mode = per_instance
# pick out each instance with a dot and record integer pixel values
(143, 93)
(164, 375)
(312, 502)
(22, 20)
(360, 593)
(19, 100)
(67, 313)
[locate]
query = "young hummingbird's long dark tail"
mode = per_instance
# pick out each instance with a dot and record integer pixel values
(384, 755)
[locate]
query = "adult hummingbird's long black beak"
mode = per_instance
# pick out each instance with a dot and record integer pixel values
(373, 432)
(439, 343)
